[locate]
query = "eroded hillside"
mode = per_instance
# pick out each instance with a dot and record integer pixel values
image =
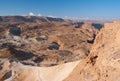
(103, 63)
(43, 48)
(45, 41)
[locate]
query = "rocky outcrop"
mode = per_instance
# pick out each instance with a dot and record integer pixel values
(103, 63)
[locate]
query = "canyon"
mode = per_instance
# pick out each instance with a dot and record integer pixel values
(55, 49)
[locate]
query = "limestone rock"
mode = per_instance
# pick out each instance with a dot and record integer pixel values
(103, 63)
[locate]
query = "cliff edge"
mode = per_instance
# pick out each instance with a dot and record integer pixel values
(103, 63)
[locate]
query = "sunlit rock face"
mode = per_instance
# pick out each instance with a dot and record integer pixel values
(103, 62)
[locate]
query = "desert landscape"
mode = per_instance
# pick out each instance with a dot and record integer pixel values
(58, 50)
(59, 40)
(39, 44)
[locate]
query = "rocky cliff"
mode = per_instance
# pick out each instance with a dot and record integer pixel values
(103, 63)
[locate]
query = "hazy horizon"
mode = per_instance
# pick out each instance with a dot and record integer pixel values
(76, 9)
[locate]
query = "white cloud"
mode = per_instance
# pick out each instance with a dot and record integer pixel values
(31, 14)
(66, 17)
(72, 18)
(51, 16)
(39, 14)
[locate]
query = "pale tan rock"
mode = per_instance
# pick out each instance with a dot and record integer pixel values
(28, 73)
(103, 63)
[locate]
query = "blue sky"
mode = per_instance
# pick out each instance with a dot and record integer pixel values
(62, 8)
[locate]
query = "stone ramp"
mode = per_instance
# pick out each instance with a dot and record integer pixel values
(54, 73)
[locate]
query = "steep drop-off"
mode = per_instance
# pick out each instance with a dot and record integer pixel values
(103, 63)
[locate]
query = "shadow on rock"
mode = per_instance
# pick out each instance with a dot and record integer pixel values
(21, 55)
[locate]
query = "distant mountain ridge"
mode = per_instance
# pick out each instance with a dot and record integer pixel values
(29, 19)
(45, 19)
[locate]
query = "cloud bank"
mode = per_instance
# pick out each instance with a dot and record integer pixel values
(31, 14)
